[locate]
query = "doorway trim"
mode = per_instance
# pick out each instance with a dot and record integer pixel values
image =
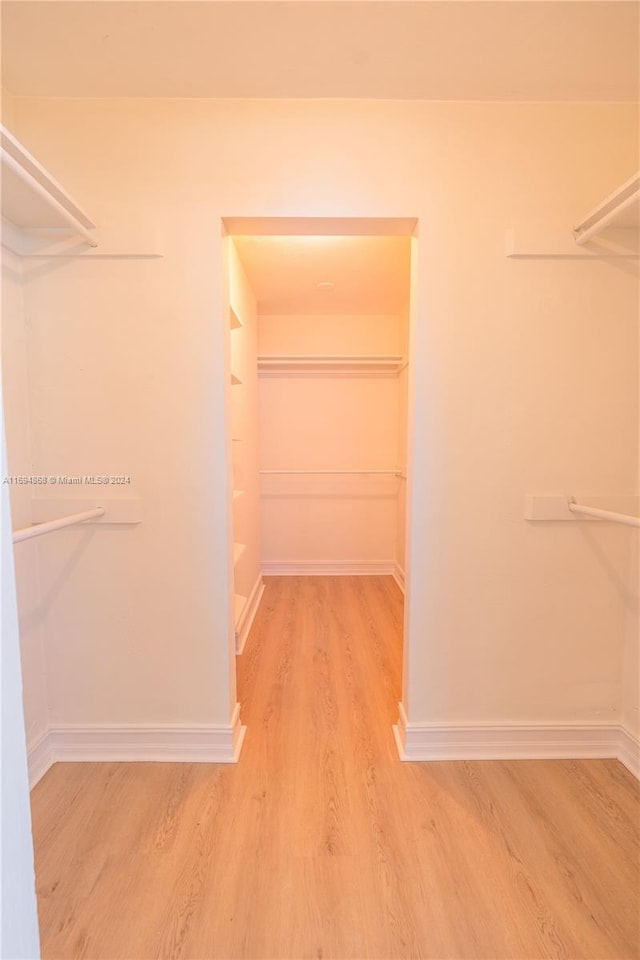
(330, 226)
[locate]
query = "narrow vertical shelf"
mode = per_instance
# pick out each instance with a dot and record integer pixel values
(238, 400)
(235, 323)
(239, 605)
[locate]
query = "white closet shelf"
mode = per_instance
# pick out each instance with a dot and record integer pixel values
(235, 381)
(619, 209)
(238, 550)
(365, 365)
(32, 198)
(234, 319)
(239, 605)
(609, 231)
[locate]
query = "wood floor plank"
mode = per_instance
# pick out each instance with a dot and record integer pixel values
(320, 843)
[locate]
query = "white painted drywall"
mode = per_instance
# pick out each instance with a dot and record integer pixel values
(527, 382)
(311, 333)
(403, 396)
(329, 422)
(631, 656)
(15, 350)
(19, 937)
(244, 426)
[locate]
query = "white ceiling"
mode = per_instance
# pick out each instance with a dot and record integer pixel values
(426, 49)
(370, 274)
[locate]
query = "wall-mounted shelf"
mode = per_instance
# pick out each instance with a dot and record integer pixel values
(235, 381)
(33, 199)
(41, 221)
(235, 320)
(356, 365)
(609, 231)
(619, 209)
(239, 602)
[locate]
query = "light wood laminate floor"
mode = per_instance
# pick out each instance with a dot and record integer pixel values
(320, 843)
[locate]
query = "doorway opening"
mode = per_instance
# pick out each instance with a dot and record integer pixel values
(318, 405)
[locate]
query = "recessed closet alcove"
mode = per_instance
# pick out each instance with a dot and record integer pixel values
(318, 401)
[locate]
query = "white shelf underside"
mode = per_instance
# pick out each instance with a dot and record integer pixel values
(609, 231)
(329, 365)
(620, 209)
(22, 205)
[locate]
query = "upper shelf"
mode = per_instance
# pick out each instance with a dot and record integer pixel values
(32, 198)
(620, 209)
(355, 365)
(609, 231)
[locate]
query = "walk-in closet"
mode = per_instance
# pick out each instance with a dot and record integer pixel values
(319, 345)
(320, 553)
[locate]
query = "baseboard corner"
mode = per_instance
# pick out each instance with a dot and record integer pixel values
(248, 615)
(238, 732)
(40, 758)
(400, 732)
(629, 751)
(398, 576)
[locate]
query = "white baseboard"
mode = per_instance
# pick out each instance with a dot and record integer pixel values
(238, 732)
(39, 758)
(248, 615)
(415, 742)
(629, 752)
(398, 575)
(314, 568)
(168, 743)
(515, 741)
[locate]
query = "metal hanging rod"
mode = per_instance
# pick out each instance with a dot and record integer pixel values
(39, 529)
(624, 518)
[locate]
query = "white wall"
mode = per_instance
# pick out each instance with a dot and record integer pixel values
(403, 415)
(631, 656)
(19, 938)
(330, 334)
(244, 426)
(528, 374)
(15, 350)
(325, 422)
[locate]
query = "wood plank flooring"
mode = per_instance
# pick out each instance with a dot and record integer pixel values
(320, 843)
